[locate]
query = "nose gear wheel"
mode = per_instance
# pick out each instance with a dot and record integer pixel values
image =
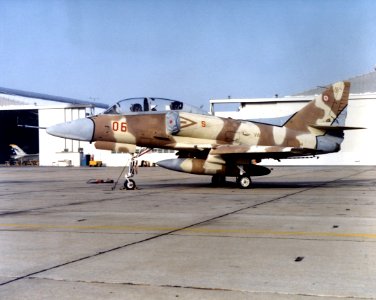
(129, 184)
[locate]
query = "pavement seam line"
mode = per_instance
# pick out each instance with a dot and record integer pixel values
(193, 288)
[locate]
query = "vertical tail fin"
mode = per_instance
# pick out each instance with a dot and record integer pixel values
(323, 110)
(17, 150)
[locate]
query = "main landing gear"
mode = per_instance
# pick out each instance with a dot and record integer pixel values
(244, 180)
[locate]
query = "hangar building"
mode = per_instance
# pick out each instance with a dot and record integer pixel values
(359, 145)
(34, 109)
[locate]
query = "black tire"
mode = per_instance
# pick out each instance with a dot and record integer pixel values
(244, 181)
(129, 184)
(218, 180)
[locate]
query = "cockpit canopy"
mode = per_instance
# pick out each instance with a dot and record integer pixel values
(148, 104)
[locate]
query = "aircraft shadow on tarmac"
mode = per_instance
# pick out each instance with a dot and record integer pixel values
(309, 184)
(266, 185)
(233, 185)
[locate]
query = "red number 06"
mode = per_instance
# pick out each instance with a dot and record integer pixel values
(122, 126)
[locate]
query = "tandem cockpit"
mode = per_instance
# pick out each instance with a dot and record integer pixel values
(151, 104)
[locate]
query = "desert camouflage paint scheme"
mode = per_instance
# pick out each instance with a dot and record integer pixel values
(212, 145)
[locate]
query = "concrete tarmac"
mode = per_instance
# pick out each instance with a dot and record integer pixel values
(300, 233)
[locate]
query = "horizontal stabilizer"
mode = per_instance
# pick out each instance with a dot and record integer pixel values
(334, 128)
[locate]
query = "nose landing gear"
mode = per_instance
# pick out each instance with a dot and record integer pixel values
(130, 184)
(244, 180)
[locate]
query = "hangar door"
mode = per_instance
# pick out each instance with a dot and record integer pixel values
(10, 133)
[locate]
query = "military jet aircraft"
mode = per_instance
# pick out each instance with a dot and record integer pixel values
(211, 145)
(18, 155)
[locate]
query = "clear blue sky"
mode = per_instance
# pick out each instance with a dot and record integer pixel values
(191, 50)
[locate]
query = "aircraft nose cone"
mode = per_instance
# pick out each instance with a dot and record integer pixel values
(81, 129)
